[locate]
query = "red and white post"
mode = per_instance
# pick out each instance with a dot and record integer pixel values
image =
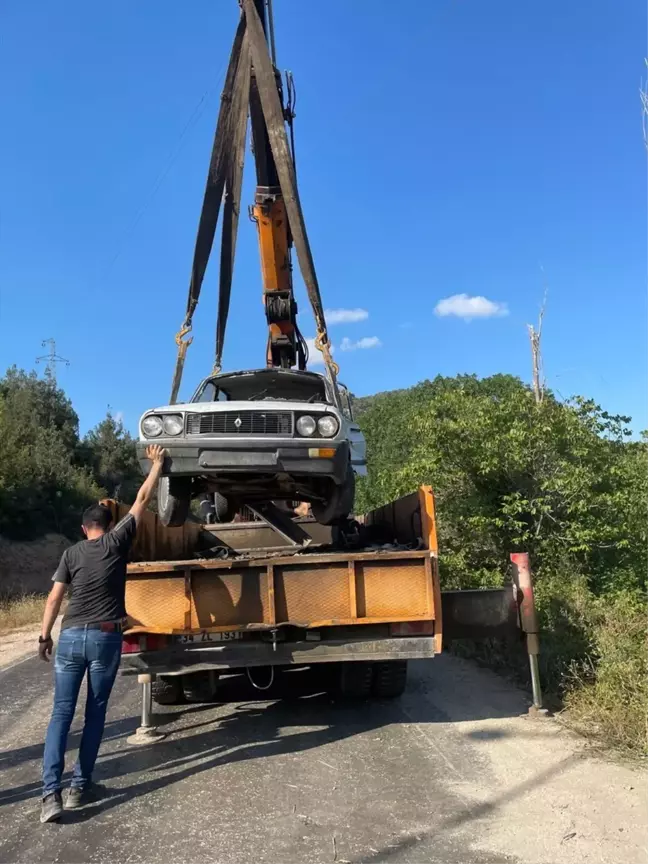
(528, 622)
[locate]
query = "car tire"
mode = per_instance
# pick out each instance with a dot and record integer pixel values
(339, 504)
(174, 499)
(167, 690)
(389, 679)
(223, 509)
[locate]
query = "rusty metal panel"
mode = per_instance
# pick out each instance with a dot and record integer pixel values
(479, 613)
(406, 520)
(307, 590)
(400, 519)
(156, 603)
(387, 589)
(320, 593)
(236, 597)
(257, 535)
(155, 542)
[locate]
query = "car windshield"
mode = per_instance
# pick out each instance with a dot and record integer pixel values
(265, 384)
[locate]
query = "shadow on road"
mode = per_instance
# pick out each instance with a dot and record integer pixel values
(201, 738)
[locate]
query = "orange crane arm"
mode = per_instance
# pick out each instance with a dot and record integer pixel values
(285, 346)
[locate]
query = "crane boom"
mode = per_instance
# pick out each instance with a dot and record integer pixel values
(275, 242)
(253, 86)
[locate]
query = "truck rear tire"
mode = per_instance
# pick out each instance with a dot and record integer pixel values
(174, 498)
(167, 690)
(200, 686)
(339, 504)
(355, 679)
(389, 679)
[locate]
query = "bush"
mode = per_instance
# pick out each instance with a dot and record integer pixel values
(608, 693)
(561, 481)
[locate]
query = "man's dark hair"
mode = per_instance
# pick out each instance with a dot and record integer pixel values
(97, 516)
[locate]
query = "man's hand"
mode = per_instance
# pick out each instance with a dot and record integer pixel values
(155, 453)
(45, 649)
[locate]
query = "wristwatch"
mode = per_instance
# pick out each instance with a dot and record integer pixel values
(42, 641)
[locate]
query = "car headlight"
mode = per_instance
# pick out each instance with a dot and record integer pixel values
(152, 426)
(173, 424)
(306, 426)
(328, 425)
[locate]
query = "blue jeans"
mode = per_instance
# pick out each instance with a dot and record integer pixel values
(79, 650)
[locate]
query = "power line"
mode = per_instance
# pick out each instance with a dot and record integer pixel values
(195, 116)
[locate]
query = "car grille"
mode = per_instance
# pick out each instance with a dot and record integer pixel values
(277, 423)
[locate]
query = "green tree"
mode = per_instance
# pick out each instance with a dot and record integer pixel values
(109, 451)
(42, 486)
(558, 480)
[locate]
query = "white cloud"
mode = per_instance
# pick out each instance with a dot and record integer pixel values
(315, 357)
(345, 316)
(463, 306)
(118, 416)
(366, 342)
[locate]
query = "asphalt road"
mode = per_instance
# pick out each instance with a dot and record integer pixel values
(453, 772)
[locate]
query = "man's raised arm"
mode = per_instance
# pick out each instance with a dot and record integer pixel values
(156, 454)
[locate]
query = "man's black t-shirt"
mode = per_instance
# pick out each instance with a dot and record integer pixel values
(95, 570)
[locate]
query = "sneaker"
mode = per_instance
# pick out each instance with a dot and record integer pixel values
(51, 808)
(75, 798)
(79, 797)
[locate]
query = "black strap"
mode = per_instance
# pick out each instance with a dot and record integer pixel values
(232, 202)
(218, 168)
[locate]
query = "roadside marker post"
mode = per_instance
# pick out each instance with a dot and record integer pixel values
(529, 624)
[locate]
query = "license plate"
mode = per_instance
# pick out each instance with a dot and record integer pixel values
(205, 636)
(235, 459)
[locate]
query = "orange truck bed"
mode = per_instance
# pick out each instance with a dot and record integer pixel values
(272, 608)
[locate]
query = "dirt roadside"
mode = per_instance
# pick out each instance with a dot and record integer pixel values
(22, 643)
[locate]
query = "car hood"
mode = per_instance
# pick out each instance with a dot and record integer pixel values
(264, 405)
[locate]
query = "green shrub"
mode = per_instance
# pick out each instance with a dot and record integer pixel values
(609, 695)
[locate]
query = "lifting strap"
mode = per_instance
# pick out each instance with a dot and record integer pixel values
(218, 170)
(224, 184)
(232, 202)
(274, 119)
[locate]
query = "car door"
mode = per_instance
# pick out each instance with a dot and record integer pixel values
(357, 441)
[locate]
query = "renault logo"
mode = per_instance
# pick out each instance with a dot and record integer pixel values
(238, 422)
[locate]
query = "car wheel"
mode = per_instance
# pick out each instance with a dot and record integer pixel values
(174, 498)
(339, 504)
(223, 508)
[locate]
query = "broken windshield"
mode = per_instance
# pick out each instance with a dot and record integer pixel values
(271, 385)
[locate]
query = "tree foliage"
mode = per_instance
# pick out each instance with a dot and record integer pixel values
(559, 480)
(109, 451)
(47, 475)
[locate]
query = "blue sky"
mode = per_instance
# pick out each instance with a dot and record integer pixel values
(444, 147)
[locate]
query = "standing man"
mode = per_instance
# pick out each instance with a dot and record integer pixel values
(90, 640)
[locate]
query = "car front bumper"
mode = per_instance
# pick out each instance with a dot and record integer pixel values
(299, 457)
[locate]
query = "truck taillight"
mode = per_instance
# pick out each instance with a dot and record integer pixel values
(133, 643)
(412, 628)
